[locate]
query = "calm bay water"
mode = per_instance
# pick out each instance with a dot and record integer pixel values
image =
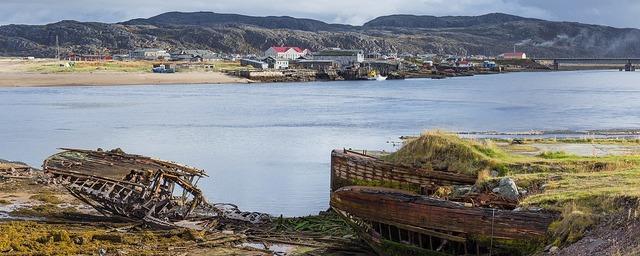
(267, 147)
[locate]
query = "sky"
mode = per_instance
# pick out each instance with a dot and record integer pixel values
(617, 13)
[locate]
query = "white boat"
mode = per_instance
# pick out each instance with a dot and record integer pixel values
(381, 78)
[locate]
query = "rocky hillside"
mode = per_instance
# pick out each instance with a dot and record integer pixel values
(489, 34)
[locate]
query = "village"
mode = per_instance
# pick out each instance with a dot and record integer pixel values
(296, 64)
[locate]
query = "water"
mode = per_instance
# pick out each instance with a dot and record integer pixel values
(267, 147)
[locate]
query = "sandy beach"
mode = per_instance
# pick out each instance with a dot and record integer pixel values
(114, 78)
(21, 73)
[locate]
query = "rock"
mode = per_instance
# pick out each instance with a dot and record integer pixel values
(496, 190)
(460, 191)
(523, 192)
(554, 249)
(79, 240)
(508, 189)
(494, 173)
(534, 209)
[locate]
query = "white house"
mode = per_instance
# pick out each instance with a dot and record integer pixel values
(285, 52)
(513, 56)
(149, 54)
(342, 57)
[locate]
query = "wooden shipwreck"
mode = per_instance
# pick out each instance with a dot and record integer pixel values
(392, 209)
(137, 187)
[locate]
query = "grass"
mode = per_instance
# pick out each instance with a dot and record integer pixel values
(31, 238)
(326, 224)
(589, 189)
(227, 66)
(93, 66)
(556, 155)
(579, 140)
(48, 198)
(447, 152)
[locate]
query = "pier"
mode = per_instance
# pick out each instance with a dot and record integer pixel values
(627, 64)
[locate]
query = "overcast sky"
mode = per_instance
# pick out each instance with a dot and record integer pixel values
(617, 13)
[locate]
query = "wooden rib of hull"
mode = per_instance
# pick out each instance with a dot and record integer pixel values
(349, 166)
(394, 206)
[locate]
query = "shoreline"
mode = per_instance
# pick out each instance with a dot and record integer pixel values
(18, 79)
(28, 79)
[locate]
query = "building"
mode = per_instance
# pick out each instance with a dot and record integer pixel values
(513, 56)
(277, 63)
(383, 67)
(254, 63)
(465, 64)
(150, 54)
(318, 65)
(342, 57)
(194, 56)
(286, 52)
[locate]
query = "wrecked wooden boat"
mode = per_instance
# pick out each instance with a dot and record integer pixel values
(137, 187)
(392, 209)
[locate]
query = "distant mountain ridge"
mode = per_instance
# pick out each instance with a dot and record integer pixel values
(489, 34)
(214, 19)
(426, 21)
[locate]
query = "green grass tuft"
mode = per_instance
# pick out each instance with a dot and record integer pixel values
(447, 152)
(556, 155)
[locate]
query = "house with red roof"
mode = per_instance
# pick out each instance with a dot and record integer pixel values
(513, 56)
(286, 52)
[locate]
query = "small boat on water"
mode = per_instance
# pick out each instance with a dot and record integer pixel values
(374, 75)
(381, 78)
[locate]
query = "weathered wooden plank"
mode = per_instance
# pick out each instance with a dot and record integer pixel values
(394, 206)
(349, 165)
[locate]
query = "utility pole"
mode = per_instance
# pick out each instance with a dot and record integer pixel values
(514, 48)
(57, 48)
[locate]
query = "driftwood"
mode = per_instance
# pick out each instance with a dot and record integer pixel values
(422, 212)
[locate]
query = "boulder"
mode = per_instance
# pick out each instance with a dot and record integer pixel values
(508, 189)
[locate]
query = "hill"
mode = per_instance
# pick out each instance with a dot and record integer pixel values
(489, 34)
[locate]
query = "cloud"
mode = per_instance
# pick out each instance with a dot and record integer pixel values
(620, 13)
